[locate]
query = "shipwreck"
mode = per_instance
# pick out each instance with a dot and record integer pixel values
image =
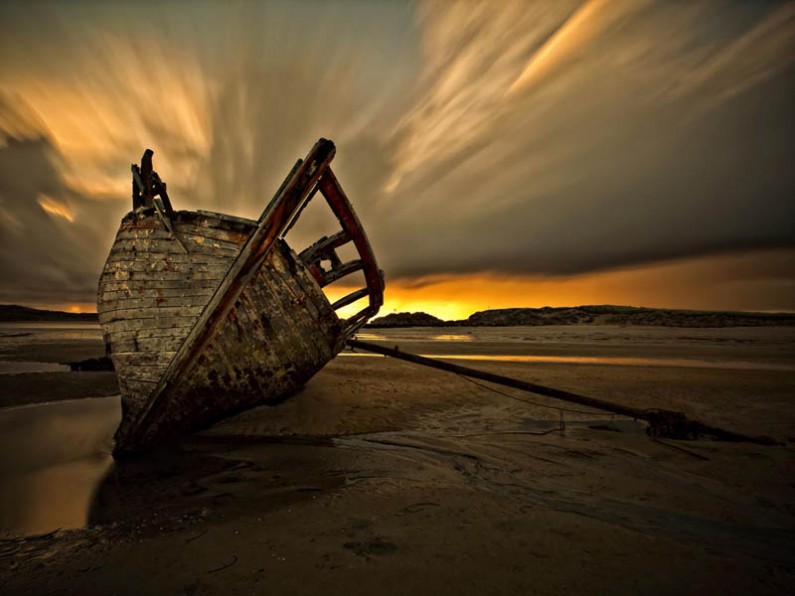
(205, 314)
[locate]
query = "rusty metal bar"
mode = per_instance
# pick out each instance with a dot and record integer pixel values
(341, 206)
(336, 273)
(350, 298)
(325, 244)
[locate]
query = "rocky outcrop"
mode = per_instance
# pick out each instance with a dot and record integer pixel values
(407, 319)
(530, 317)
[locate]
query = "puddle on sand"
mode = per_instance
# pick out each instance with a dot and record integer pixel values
(56, 470)
(451, 337)
(9, 367)
(607, 360)
(52, 457)
(49, 332)
(370, 336)
(620, 361)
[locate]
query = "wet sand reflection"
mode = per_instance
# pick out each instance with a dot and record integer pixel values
(52, 457)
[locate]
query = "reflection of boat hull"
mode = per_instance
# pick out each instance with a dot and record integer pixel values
(205, 315)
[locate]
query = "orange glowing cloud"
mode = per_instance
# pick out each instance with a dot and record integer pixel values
(587, 22)
(55, 208)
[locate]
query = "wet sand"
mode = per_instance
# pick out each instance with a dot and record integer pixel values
(383, 477)
(34, 352)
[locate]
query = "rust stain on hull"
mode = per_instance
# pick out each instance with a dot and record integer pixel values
(205, 315)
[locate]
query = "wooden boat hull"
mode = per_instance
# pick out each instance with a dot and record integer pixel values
(202, 322)
(281, 332)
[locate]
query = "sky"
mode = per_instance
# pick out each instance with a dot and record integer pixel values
(499, 154)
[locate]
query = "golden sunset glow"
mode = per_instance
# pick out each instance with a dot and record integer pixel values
(597, 151)
(71, 307)
(592, 18)
(55, 208)
(705, 283)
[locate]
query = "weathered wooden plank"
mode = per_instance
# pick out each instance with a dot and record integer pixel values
(149, 374)
(195, 239)
(323, 318)
(144, 276)
(135, 392)
(147, 246)
(156, 302)
(165, 322)
(265, 314)
(184, 292)
(130, 314)
(202, 236)
(110, 284)
(145, 359)
(168, 343)
(138, 386)
(224, 220)
(313, 299)
(207, 254)
(130, 240)
(147, 333)
(142, 234)
(210, 233)
(301, 304)
(146, 230)
(271, 283)
(174, 265)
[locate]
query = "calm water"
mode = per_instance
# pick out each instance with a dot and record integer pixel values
(52, 457)
(12, 334)
(603, 360)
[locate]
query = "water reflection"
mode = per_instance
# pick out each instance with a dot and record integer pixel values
(56, 471)
(451, 337)
(370, 336)
(52, 457)
(604, 360)
(13, 368)
(49, 332)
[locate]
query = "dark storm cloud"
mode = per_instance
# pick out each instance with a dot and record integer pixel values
(48, 232)
(538, 139)
(724, 183)
(639, 132)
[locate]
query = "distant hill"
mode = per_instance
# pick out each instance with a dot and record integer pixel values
(15, 313)
(593, 315)
(505, 317)
(407, 319)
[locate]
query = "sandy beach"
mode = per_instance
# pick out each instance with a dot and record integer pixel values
(384, 477)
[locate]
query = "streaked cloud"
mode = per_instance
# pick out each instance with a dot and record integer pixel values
(541, 140)
(55, 208)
